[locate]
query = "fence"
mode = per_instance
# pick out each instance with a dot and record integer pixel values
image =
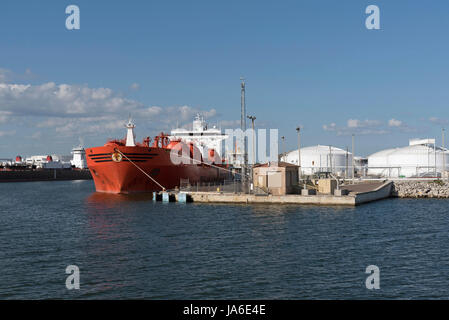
(384, 171)
(227, 186)
(407, 172)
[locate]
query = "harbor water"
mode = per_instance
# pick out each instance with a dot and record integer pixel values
(129, 247)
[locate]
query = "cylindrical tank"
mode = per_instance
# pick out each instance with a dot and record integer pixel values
(417, 160)
(378, 162)
(321, 159)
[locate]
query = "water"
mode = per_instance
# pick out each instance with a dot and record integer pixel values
(129, 247)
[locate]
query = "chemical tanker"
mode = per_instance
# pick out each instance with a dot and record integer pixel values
(124, 166)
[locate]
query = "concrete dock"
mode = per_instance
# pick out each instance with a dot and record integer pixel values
(358, 194)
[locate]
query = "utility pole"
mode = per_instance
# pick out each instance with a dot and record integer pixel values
(444, 156)
(346, 171)
(243, 127)
(298, 129)
(435, 157)
(253, 118)
(353, 161)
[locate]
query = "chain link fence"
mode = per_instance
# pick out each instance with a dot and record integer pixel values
(226, 186)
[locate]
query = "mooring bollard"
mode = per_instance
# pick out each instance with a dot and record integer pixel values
(182, 197)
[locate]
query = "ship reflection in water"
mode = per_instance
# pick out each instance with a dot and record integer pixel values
(101, 200)
(111, 228)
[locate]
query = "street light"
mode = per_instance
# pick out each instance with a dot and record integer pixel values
(243, 128)
(298, 129)
(253, 118)
(353, 160)
(282, 148)
(444, 156)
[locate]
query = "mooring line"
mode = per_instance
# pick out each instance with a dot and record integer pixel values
(208, 164)
(143, 171)
(188, 158)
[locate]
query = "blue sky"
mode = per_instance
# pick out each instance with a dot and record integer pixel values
(311, 63)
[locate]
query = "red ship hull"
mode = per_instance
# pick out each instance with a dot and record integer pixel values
(123, 174)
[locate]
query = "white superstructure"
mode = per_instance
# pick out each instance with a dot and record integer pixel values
(130, 135)
(420, 158)
(79, 158)
(203, 137)
(321, 159)
(48, 162)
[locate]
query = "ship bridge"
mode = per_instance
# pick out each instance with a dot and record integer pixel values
(201, 135)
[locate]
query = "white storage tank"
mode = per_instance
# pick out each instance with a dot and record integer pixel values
(378, 162)
(321, 159)
(421, 158)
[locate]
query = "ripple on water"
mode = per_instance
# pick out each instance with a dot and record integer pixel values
(130, 247)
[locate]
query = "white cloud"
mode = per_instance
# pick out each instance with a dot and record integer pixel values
(368, 127)
(4, 75)
(394, 123)
(355, 123)
(330, 127)
(36, 135)
(230, 123)
(356, 126)
(7, 133)
(401, 126)
(8, 76)
(79, 109)
(154, 118)
(438, 121)
(135, 86)
(4, 116)
(49, 99)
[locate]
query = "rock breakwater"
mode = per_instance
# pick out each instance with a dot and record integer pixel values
(420, 189)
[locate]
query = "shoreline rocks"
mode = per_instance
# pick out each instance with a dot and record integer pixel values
(420, 189)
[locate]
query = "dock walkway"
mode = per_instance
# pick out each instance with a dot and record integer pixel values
(358, 194)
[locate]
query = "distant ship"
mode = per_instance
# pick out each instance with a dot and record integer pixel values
(45, 168)
(124, 166)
